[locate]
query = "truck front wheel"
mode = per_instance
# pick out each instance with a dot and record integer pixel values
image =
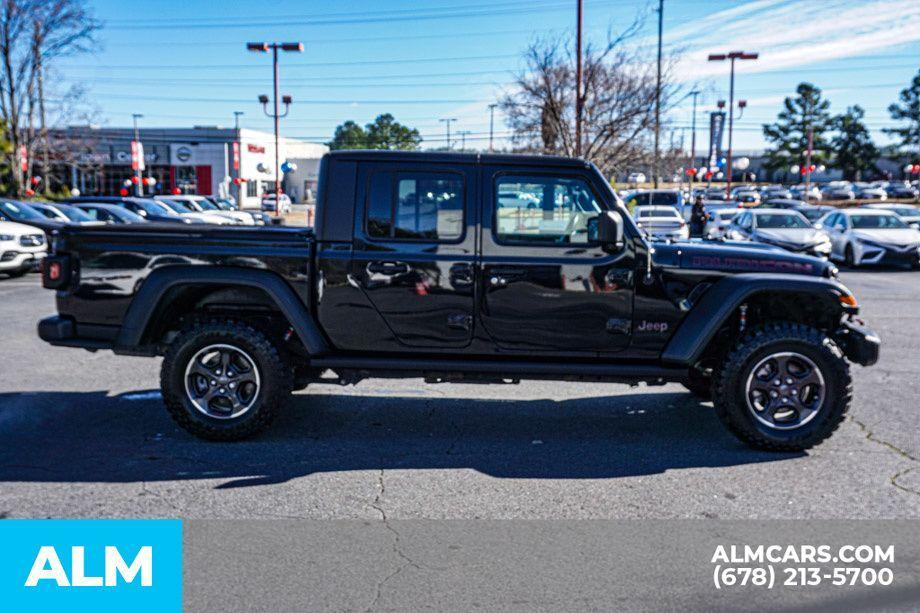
(783, 387)
(223, 379)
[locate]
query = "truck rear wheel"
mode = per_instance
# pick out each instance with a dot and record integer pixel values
(223, 379)
(783, 387)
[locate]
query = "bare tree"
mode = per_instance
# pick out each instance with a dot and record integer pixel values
(619, 100)
(33, 34)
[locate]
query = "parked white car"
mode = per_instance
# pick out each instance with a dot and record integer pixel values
(181, 208)
(870, 236)
(908, 212)
(268, 203)
(718, 222)
(663, 222)
(200, 204)
(21, 248)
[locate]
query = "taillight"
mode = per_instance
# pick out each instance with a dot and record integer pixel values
(55, 271)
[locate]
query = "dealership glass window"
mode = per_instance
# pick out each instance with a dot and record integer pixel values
(415, 206)
(548, 209)
(252, 189)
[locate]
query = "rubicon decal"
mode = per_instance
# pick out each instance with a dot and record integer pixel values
(759, 265)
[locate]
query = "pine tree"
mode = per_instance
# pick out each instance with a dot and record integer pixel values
(853, 147)
(789, 135)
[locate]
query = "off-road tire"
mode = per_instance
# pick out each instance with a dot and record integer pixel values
(699, 384)
(273, 368)
(730, 380)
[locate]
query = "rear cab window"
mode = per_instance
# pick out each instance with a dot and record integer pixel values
(419, 206)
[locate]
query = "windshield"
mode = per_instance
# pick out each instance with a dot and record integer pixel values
(774, 221)
(224, 205)
(74, 214)
(21, 212)
(877, 222)
(175, 207)
(206, 205)
(154, 207)
(668, 198)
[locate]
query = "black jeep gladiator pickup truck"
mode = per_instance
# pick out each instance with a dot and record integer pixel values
(461, 267)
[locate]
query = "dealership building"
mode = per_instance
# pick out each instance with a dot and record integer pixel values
(202, 160)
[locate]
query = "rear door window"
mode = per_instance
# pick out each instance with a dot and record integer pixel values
(425, 206)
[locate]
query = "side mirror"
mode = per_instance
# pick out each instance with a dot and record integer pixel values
(142, 212)
(819, 226)
(607, 229)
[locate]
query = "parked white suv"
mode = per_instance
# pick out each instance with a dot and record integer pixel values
(21, 248)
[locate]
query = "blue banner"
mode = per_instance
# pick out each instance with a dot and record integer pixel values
(91, 565)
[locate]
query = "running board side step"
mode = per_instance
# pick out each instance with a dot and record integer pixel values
(383, 367)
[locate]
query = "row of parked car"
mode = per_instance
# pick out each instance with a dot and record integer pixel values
(879, 233)
(25, 227)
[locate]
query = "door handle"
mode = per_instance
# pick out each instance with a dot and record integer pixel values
(388, 268)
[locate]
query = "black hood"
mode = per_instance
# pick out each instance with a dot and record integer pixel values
(738, 258)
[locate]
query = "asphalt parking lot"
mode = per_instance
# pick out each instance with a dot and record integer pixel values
(85, 435)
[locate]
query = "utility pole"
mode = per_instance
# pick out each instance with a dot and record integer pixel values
(138, 180)
(236, 120)
(657, 169)
(579, 98)
(463, 134)
(42, 127)
(447, 121)
(694, 93)
(491, 125)
(732, 56)
(276, 115)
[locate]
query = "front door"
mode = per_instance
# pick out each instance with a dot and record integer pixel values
(546, 285)
(414, 250)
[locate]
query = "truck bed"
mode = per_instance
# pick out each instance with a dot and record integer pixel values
(111, 263)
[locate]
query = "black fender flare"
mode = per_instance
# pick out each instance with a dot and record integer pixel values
(725, 296)
(155, 286)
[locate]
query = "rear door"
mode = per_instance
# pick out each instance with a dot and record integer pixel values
(414, 249)
(546, 286)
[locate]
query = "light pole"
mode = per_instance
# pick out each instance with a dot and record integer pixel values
(721, 57)
(139, 157)
(578, 78)
(275, 114)
(447, 121)
(491, 125)
(236, 120)
(658, 94)
(694, 93)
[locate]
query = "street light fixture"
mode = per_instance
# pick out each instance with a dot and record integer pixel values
(731, 56)
(262, 47)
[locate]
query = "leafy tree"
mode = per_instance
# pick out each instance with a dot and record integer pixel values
(387, 133)
(789, 135)
(383, 133)
(909, 111)
(853, 146)
(349, 135)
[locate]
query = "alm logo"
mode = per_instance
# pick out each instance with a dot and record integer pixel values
(48, 567)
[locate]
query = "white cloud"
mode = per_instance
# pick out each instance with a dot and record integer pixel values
(790, 33)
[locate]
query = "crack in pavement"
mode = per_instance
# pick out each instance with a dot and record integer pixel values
(870, 435)
(406, 560)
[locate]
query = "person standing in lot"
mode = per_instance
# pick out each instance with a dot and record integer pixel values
(697, 218)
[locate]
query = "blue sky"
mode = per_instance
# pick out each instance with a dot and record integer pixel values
(184, 63)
